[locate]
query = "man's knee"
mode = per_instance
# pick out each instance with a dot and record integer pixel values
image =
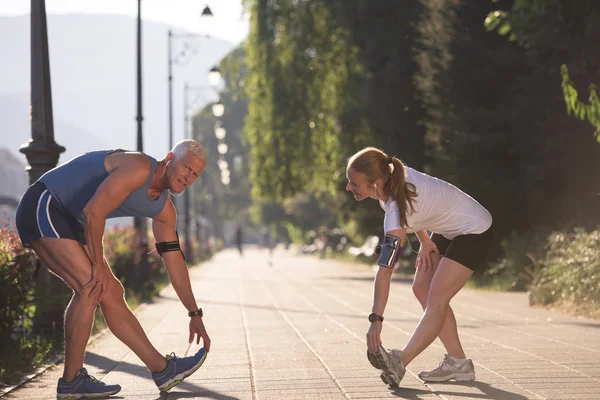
(113, 292)
(82, 297)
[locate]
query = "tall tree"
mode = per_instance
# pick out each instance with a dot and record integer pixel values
(496, 125)
(565, 31)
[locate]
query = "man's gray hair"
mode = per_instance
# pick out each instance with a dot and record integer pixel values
(191, 146)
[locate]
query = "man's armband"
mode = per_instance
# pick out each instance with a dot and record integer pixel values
(164, 247)
(390, 251)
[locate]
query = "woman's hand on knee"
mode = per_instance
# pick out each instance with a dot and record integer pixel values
(428, 256)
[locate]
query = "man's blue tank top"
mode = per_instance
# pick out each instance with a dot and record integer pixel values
(74, 183)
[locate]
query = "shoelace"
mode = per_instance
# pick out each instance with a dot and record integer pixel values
(91, 378)
(446, 361)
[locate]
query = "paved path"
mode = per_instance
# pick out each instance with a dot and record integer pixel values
(296, 330)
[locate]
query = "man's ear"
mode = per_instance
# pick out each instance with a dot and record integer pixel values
(169, 156)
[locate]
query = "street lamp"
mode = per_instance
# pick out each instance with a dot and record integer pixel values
(141, 271)
(218, 109)
(42, 154)
(214, 76)
(220, 133)
(188, 105)
(222, 148)
(206, 12)
(181, 59)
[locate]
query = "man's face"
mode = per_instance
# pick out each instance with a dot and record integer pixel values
(184, 172)
(359, 185)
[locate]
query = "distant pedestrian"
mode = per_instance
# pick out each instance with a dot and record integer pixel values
(268, 242)
(462, 234)
(239, 239)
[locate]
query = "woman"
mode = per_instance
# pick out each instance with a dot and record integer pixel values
(462, 234)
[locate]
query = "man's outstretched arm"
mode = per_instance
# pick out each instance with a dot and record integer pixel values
(163, 226)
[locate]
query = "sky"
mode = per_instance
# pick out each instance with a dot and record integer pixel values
(229, 21)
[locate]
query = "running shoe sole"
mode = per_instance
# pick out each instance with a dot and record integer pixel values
(179, 378)
(77, 396)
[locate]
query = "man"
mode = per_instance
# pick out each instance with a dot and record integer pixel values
(62, 218)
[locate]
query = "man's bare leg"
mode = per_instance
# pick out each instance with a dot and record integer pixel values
(67, 259)
(125, 326)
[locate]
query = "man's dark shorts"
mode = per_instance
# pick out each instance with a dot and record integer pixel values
(40, 214)
(468, 250)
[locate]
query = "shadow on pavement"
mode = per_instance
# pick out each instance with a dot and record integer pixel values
(298, 311)
(395, 278)
(488, 392)
(581, 324)
(193, 391)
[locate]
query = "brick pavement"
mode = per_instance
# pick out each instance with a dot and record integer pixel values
(296, 329)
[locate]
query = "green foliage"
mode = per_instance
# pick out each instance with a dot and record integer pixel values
(518, 266)
(589, 112)
(299, 215)
(300, 68)
(120, 250)
(16, 281)
(213, 199)
(496, 125)
(20, 347)
(567, 26)
(325, 79)
(570, 277)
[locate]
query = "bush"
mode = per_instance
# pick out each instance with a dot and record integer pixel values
(570, 277)
(20, 348)
(16, 281)
(120, 246)
(517, 269)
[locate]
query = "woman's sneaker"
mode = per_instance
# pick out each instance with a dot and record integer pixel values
(84, 385)
(178, 369)
(450, 368)
(390, 364)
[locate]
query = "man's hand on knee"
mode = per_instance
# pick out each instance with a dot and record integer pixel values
(96, 286)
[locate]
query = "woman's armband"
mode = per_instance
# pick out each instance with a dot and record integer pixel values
(390, 251)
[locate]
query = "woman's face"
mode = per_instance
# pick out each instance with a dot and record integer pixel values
(359, 185)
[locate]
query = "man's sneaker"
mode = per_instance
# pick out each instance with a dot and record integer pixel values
(178, 369)
(390, 364)
(84, 385)
(450, 368)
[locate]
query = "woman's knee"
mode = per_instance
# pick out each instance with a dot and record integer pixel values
(420, 289)
(437, 300)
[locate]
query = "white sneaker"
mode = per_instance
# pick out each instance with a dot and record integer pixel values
(390, 363)
(450, 368)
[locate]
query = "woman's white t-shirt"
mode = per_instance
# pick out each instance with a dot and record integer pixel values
(439, 207)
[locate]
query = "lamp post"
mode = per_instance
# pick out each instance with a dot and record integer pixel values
(42, 154)
(188, 106)
(181, 59)
(141, 272)
(42, 151)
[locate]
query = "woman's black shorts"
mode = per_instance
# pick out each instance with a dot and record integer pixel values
(468, 250)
